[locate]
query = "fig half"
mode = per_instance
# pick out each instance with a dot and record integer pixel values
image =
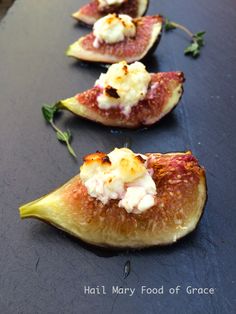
(164, 93)
(91, 12)
(148, 34)
(180, 200)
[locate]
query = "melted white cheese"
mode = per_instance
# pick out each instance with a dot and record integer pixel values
(124, 178)
(105, 3)
(113, 28)
(130, 83)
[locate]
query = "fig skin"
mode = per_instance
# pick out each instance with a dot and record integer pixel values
(146, 40)
(90, 13)
(164, 94)
(181, 197)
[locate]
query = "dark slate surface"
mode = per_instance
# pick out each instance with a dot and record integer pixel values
(42, 270)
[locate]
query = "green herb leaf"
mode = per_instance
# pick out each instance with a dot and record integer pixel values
(64, 136)
(49, 112)
(200, 34)
(192, 49)
(196, 45)
(169, 25)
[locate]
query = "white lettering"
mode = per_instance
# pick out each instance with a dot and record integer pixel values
(193, 290)
(120, 290)
(94, 290)
(148, 290)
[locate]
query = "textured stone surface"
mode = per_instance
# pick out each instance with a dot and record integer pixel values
(42, 270)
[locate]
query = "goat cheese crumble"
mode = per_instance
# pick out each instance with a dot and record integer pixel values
(120, 175)
(123, 86)
(113, 28)
(105, 3)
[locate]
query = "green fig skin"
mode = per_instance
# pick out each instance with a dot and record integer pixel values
(182, 194)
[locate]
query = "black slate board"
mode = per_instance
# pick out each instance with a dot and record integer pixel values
(42, 270)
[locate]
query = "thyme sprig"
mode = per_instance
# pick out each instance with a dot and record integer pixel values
(197, 39)
(65, 137)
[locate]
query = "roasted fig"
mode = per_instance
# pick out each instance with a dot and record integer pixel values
(147, 36)
(94, 10)
(149, 104)
(179, 199)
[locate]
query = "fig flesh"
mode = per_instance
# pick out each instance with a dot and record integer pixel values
(180, 200)
(164, 93)
(91, 12)
(148, 34)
